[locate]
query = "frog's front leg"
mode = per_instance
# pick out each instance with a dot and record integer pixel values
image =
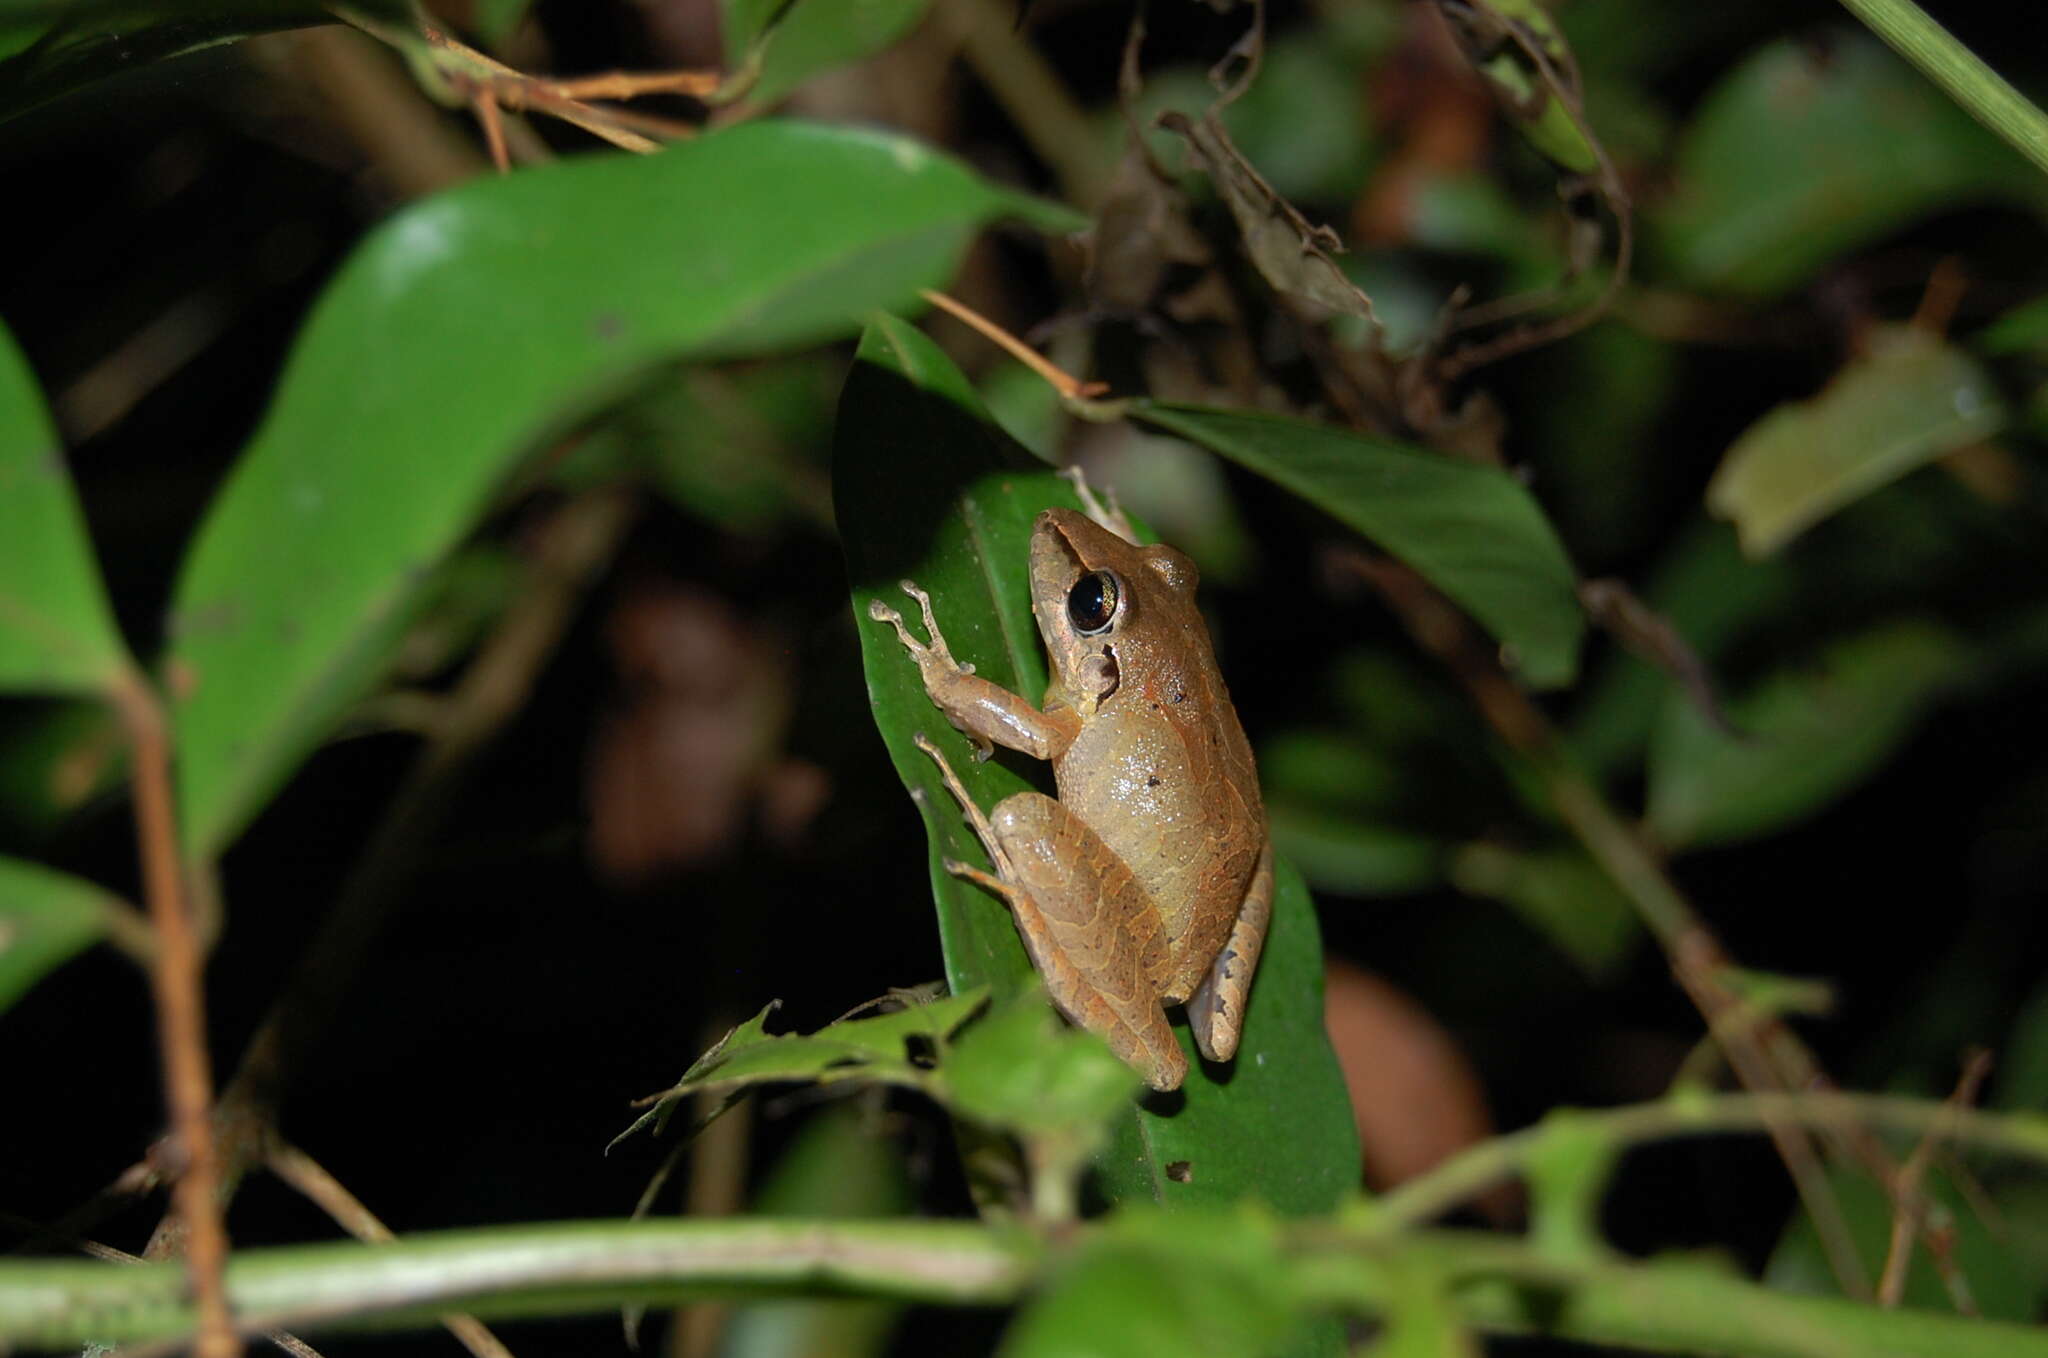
(1216, 1009)
(986, 712)
(1093, 933)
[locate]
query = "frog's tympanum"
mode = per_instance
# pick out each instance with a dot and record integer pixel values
(1149, 882)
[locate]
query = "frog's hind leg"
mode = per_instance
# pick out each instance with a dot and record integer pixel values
(976, 822)
(1216, 1009)
(1095, 937)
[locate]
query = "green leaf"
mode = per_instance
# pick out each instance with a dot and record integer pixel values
(1356, 857)
(899, 1048)
(46, 918)
(2022, 1067)
(928, 489)
(789, 43)
(496, 19)
(1908, 399)
(1805, 153)
(56, 632)
(1210, 1285)
(1562, 894)
(894, 1048)
(473, 325)
(1473, 532)
(52, 47)
(1021, 1070)
(1806, 737)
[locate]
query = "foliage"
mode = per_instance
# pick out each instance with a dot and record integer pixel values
(1623, 558)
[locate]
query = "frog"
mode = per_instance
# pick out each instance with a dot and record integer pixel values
(1147, 881)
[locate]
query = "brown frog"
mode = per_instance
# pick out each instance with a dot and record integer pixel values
(1149, 881)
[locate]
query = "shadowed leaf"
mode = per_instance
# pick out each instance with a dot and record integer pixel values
(1473, 532)
(1808, 150)
(1809, 735)
(1910, 398)
(46, 918)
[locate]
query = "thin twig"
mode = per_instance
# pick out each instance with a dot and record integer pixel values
(576, 543)
(1067, 385)
(1478, 1168)
(326, 1192)
(1910, 1199)
(177, 983)
(483, 102)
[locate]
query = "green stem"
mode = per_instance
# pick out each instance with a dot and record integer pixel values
(1472, 1172)
(1949, 64)
(1502, 1285)
(1498, 1284)
(559, 1268)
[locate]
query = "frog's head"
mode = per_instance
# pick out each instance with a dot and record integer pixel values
(1108, 609)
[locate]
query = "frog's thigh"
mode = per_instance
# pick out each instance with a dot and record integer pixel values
(1093, 933)
(1216, 1010)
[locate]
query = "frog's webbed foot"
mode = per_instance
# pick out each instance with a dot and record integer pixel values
(928, 654)
(1104, 510)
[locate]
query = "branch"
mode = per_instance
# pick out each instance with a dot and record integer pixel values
(595, 1266)
(1473, 1171)
(176, 979)
(556, 1269)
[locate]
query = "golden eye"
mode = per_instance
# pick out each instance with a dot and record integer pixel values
(1091, 603)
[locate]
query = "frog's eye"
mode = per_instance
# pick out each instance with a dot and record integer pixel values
(1091, 603)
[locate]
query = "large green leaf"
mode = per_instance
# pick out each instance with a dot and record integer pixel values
(478, 322)
(1473, 532)
(1807, 151)
(46, 918)
(56, 632)
(927, 489)
(1909, 398)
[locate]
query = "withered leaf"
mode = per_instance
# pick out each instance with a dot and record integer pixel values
(1288, 252)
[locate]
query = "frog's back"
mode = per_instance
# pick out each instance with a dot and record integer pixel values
(1174, 792)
